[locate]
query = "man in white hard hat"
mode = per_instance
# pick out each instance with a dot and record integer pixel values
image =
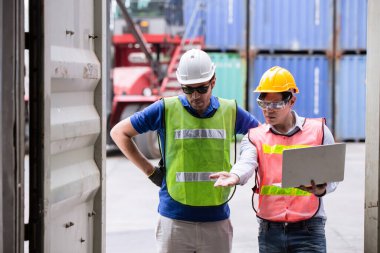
(291, 219)
(196, 130)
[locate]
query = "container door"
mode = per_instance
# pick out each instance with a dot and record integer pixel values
(67, 139)
(11, 126)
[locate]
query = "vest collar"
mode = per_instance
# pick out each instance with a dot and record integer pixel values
(214, 105)
(298, 125)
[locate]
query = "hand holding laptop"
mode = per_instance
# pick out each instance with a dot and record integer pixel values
(316, 189)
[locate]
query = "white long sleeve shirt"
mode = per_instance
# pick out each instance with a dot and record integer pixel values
(247, 163)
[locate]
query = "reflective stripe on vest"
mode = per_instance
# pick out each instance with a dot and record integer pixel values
(200, 133)
(193, 177)
(278, 149)
(276, 203)
(195, 148)
(276, 190)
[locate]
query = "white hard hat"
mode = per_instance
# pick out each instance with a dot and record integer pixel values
(195, 67)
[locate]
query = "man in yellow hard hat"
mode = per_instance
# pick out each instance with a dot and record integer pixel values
(291, 219)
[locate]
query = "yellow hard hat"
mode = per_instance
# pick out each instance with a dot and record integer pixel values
(277, 79)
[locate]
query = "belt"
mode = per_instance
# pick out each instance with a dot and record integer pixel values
(301, 224)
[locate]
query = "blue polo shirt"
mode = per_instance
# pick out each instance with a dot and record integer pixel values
(152, 119)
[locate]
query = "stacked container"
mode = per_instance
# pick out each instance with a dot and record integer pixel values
(225, 24)
(296, 35)
(229, 76)
(350, 98)
(311, 74)
(350, 70)
(291, 24)
(222, 22)
(352, 25)
(194, 15)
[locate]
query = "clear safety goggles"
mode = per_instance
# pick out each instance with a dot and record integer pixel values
(272, 105)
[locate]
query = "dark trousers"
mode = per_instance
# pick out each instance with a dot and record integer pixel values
(305, 236)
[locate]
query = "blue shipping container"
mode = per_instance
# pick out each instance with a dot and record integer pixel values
(291, 24)
(223, 22)
(353, 24)
(194, 15)
(350, 98)
(311, 74)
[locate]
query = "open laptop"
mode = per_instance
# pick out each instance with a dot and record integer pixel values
(322, 164)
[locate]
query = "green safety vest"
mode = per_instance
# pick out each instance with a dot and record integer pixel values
(194, 149)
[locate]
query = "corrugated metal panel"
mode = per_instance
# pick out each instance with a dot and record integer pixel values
(311, 74)
(224, 22)
(353, 24)
(229, 76)
(350, 97)
(72, 74)
(194, 15)
(291, 24)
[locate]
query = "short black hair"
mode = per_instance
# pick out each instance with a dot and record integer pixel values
(286, 95)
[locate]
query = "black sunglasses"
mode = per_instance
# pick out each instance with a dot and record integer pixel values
(201, 89)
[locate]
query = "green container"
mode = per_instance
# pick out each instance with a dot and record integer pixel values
(230, 77)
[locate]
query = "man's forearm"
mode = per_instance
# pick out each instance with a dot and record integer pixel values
(244, 168)
(130, 150)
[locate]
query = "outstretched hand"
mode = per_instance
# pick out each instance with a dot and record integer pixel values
(317, 189)
(225, 179)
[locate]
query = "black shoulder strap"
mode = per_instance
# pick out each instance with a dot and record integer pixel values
(161, 163)
(255, 189)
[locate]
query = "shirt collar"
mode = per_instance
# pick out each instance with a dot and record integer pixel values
(299, 123)
(214, 105)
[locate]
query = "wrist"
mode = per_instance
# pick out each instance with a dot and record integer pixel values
(321, 195)
(237, 177)
(157, 176)
(152, 172)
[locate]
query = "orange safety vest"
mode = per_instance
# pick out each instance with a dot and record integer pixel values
(276, 203)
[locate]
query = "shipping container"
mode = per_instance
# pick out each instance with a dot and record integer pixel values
(225, 24)
(350, 98)
(230, 76)
(291, 24)
(352, 24)
(311, 74)
(194, 15)
(67, 126)
(222, 22)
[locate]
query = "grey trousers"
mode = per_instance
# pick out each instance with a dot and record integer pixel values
(174, 236)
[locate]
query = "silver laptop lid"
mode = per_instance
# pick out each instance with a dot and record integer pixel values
(322, 164)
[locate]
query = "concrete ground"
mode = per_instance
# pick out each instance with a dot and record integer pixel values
(132, 209)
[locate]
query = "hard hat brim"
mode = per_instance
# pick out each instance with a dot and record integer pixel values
(198, 80)
(294, 90)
